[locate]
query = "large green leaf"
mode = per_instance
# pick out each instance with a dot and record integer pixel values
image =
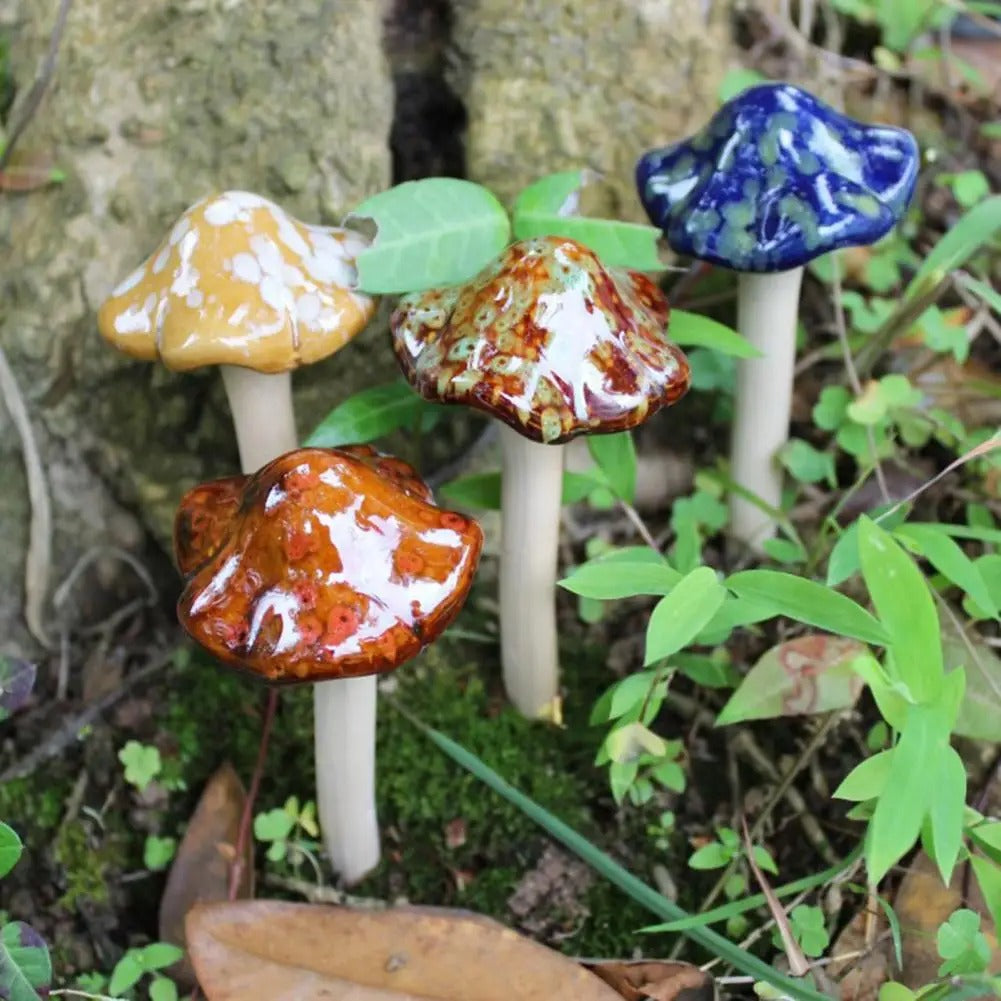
(903, 804)
(946, 812)
(693, 330)
(25, 966)
(436, 231)
(680, 616)
(370, 414)
(906, 610)
(608, 580)
(950, 561)
(814, 673)
(961, 241)
(551, 207)
(807, 601)
(10, 848)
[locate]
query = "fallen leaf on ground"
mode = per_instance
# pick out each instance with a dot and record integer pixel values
(29, 171)
(200, 871)
(862, 971)
(266, 949)
(661, 981)
(809, 674)
(922, 904)
(980, 710)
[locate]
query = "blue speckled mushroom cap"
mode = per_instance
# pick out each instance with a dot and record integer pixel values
(775, 179)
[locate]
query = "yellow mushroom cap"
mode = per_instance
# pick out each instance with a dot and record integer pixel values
(238, 281)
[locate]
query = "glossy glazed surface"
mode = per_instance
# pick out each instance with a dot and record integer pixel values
(321, 565)
(547, 340)
(777, 178)
(238, 281)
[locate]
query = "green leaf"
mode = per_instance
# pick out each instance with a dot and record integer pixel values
(483, 490)
(142, 763)
(127, 973)
(17, 679)
(946, 812)
(989, 880)
(162, 989)
(980, 711)
(988, 293)
(736, 81)
(950, 561)
(615, 456)
(370, 413)
(624, 695)
(710, 856)
(975, 229)
(892, 991)
(157, 852)
(866, 780)
(903, 804)
(601, 579)
(436, 231)
(810, 674)
(157, 955)
(10, 848)
(906, 610)
(962, 945)
(680, 616)
(807, 601)
(697, 331)
(273, 825)
(551, 207)
(844, 560)
(807, 464)
(25, 966)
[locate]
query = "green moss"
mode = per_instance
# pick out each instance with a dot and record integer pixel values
(33, 806)
(83, 866)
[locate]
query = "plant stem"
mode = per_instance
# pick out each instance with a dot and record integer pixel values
(767, 310)
(344, 731)
(531, 496)
(243, 832)
(263, 418)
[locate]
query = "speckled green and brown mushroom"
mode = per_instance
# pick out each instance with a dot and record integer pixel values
(775, 179)
(553, 344)
(239, 283)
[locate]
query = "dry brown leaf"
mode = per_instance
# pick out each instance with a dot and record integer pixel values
(922, 903)
(265, 950)
(662, 981)
(28, 171)
(970, 390)
(858, 970)
(200, 871)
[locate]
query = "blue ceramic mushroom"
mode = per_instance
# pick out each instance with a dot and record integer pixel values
(775, 179)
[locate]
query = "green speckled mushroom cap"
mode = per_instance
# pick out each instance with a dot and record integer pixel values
(546, 339)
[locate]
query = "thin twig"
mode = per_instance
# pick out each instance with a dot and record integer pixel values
(41, 84)
(243, 833)
(323, 894)
(39, 559)
(60, 739)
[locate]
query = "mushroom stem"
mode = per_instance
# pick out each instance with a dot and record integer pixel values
(530, 530)
(767, 310)
(344, 728)
(344, 710)
(263, 418)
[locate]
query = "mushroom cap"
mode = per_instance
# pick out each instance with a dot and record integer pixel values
(777, 178)
(321, 565)
(238, 281)
(546, 339)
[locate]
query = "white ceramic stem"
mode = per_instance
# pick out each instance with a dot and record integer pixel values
(531, 495)
(263, 418)
(344, 734)
(767, 310)
(343, 710)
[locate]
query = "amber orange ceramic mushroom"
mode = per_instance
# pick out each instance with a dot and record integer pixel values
(553, 344)
(324, 566)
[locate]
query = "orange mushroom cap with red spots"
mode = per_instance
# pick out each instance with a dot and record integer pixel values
(546, 339)
(326, 563)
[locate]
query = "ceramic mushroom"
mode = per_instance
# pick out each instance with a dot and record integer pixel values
(325, 567)
(775, 179)
(553, 345)
(240, 284)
